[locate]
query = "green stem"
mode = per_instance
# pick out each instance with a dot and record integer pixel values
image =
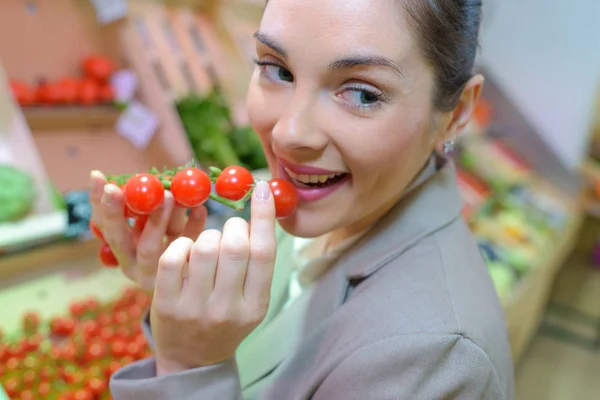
(236, 205)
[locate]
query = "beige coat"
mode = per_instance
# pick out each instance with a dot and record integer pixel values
(409, 312)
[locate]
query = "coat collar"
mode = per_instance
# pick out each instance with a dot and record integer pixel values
(431, 202)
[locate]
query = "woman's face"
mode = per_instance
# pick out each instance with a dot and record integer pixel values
(341, 100)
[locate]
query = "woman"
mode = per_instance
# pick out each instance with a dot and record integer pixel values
(378, 290)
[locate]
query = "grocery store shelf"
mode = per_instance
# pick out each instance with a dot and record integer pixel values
(48, 118)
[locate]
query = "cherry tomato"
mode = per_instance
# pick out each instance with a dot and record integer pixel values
(47, 373)
(88, 92)
(96, 385)
(95, 351)
(23, 93)
(96, 231)
(49, 93)
(13, 364)
(118, 348)
(140, 223)
(112, 367)
(128, 212)
(144, 193)
(104, 320)
(44, 389)
(234, 182)
(27, 394)
(285, 196)
(70, 90)
(29, 377)
(135, 312)
(4, 352)
(191, 187)
(34, 342)
(107, 257)
(12, 386)
(91, 328)
(98, 67)
(31, 322)
(82, 394)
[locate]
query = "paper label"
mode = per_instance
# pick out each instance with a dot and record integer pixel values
(108, 11)
(137, 124)
(124, 84)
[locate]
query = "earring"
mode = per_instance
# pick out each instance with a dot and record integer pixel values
(448, 146)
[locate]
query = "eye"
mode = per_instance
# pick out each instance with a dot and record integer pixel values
(362, 96)
(274, 72)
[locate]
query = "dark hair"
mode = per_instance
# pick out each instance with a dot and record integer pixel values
(447, 32)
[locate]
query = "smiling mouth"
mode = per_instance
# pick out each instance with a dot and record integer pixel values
(315, 181)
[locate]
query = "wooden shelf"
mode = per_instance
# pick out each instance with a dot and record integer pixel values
(71, 118)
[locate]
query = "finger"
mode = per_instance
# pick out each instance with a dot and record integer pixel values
(177, 223)
(263, 247)
(97, 182)
(115, 229)
(196, 222)
(233, 260)
(169, 279)
(151, 243)
(202, 267)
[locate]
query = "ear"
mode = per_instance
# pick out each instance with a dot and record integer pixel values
(458, 118)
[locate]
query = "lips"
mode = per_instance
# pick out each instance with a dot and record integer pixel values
(312, 183)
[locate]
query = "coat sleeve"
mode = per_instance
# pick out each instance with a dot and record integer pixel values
(139, 381)
(416, 367)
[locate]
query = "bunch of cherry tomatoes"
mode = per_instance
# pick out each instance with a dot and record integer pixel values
(91, 89)
(72, 357)
(191, 187)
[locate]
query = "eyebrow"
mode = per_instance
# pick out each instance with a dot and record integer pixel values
(345, 63)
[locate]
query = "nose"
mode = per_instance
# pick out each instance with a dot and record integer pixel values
(297, 129)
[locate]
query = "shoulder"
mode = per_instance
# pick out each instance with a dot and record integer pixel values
(439, 290)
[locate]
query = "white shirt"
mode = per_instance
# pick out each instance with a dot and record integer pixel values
(311, 259)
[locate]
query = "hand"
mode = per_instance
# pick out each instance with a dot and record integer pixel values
(212, 293)
(137, 251)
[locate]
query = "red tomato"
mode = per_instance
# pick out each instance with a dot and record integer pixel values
(12, 386)
(95, 351)
(234, 182)
(135, 312)
(47, 373)
(49, 93)
(134, 350)
(104, 320)
(68, 352)
(112, 367)
(82, 394)
(118, 348)
(120, 318)
(91, 304)
(91, 328)
(62, 326)
(31, 322)
(23, 93)
(4, 352)
(13, 364)
(27, 394)
(285, 196)
(107, 94)
(88, 92)
(97, 386)
(128, 212)
(98, 67)
(107, 257)
(44, 389)
(144, 193)
(65, 396)
(29, 377)
(96, 231)
(140, 223)
(69, 88)
(191, 187)
(34, 342)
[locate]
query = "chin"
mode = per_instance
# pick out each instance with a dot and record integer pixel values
(307, 224)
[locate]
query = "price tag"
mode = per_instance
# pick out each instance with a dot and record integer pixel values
(108, 11)
(137, 124)
(124, 84)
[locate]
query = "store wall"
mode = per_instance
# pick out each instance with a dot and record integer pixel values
(546, 56)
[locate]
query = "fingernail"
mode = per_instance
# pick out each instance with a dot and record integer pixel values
(262, 191)
(95, 183)
(109, 194)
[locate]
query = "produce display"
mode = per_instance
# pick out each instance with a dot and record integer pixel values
(72, 356)
(215, 140)
(17, 193)
(513, 217)
(92, 88)
(191, 187)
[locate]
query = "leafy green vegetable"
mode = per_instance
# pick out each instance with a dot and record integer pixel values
(17, 193)
(212, 135)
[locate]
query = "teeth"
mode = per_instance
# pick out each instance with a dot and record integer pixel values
(303, 178)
